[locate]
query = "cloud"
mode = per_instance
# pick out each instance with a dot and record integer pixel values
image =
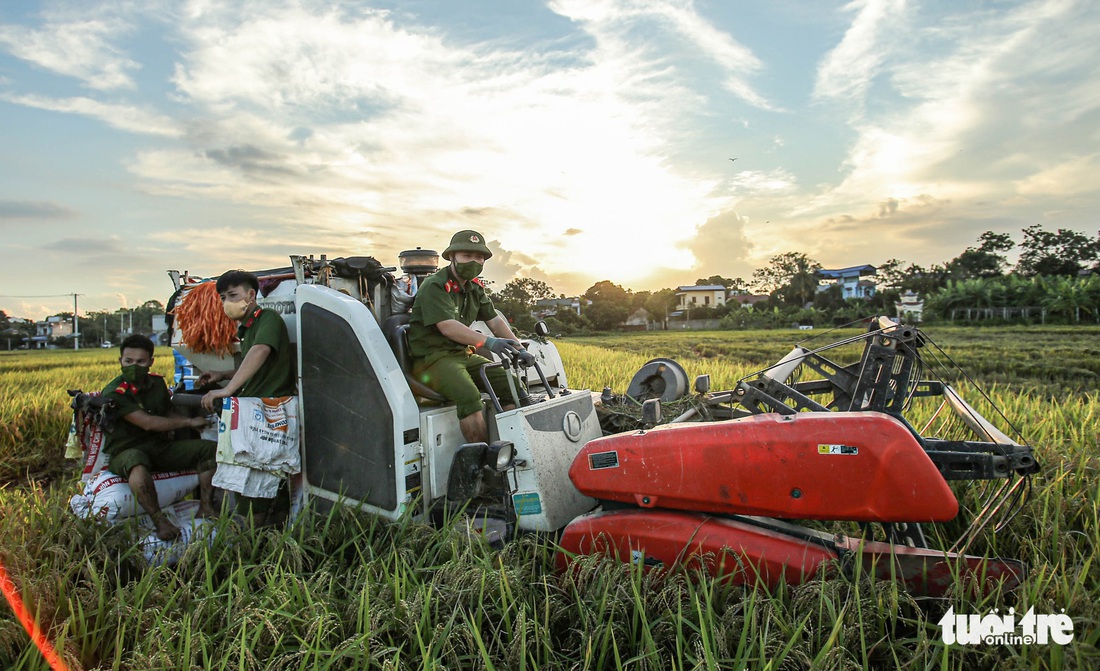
(757, 182)
(847, 71)
(124, 117)
(79, 48)
(615, 23)
(1074, 176)
(977, 115)
(34, 210)
(721, 246)
(412, 136)
(86, 246)
(249, 159)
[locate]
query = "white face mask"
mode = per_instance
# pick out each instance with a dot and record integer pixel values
(235, 309)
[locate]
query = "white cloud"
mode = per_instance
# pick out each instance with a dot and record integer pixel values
(79, 48)
(972, 118)
(846, 72)
(370, 127)
(610, 22)
(124, 117)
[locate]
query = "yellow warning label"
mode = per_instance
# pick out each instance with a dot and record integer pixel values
(837, 449)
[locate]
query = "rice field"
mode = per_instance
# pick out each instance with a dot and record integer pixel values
(343, 590)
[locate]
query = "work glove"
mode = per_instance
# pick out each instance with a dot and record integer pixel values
(504, 348)
(525, 358)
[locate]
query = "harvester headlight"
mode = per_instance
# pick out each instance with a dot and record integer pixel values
(500, 456)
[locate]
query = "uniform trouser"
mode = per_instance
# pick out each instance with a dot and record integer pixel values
(457, 377)
(256, 505)
(170, 455)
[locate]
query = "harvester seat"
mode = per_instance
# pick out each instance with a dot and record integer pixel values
(396, 330)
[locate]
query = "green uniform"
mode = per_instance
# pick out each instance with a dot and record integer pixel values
(129, 445)
(276, 376)
(441, 363)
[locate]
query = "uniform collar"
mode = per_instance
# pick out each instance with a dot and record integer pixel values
(247, 323)
(126, 388)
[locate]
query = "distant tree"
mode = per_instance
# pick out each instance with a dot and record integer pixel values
(736, 284)
(1063, 253)
(789, 276)
(894, 278)
(660, 303)
(610, 305)
(519, 295)
(830, 298)
(985, 260)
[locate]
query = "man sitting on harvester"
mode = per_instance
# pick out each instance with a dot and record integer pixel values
(267, 365)
(442, 344)
(143, 443)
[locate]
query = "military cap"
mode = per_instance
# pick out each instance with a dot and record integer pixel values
(467, 241)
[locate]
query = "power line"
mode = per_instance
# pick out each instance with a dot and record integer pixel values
(42, 296)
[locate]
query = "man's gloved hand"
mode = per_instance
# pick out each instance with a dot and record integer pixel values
(504, 348)
(525, 358)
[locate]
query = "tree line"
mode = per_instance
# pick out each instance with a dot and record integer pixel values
(1056, 273)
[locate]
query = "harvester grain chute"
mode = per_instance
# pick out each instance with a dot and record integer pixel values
(720, 487)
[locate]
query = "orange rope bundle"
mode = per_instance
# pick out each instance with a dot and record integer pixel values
(202, 321)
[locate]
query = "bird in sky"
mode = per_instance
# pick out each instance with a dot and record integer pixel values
(733, 159)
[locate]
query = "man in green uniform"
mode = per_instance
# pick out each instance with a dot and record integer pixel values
(267, 366)
(142, 442)
(442, 343)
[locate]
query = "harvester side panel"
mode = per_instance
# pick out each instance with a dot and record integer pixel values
(864, 467)
(360, 423)
(547, 436)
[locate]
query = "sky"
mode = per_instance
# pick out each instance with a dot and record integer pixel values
(587, 140)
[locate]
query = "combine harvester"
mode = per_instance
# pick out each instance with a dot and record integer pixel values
(717, 488)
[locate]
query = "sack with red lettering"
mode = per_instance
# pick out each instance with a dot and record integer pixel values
(108, 497)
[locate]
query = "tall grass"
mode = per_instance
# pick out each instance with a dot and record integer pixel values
(340, 589)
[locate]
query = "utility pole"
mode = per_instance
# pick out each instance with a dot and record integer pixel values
(76, 326)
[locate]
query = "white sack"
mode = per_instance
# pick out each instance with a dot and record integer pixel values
(109, 497)
(260, 433)
(247, 481)
(182, 514)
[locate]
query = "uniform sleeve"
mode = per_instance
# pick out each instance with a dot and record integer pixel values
(270, 330)
(160, 401)
(435, 305)
(124, 403)
(485, 310)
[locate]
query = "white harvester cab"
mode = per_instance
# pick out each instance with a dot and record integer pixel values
(373, 437)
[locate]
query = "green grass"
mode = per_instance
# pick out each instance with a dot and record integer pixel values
(344, 590)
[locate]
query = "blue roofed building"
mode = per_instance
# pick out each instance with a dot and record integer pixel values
(850, 280)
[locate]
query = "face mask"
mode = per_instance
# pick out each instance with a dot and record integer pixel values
(468, 270)
(235, 309)
(135, 374)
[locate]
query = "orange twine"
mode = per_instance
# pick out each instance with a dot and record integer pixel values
(204, 326)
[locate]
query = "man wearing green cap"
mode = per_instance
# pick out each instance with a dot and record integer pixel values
(442, 343)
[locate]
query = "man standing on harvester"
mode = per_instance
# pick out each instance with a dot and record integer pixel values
(442, 343)
(141, 443)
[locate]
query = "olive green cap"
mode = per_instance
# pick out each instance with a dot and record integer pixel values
(467, 241)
